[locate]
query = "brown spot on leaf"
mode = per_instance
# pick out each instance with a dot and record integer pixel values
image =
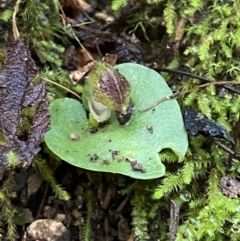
(106, 162)
(138, 167)
(150, 129)
(121, 158)
(94, 158)
(115, 154)
(135, 165)
(93, 130)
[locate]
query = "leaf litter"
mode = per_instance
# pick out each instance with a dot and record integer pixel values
(18, 92)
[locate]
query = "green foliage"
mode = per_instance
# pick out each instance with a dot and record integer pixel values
(139, 216)
(59, 76)
(40, 26)
(211, 219)
(169, 14)
(116, 4)
(174, 63)
(209, 48)
(6, 208)
(87, 228)
(6, 15)
(48, 51)
(146, 224)
(12, 159)
(142, 25)
(69, 117)
(47, 174)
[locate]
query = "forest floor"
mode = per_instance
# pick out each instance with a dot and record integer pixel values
(53, 200)
(96, 210)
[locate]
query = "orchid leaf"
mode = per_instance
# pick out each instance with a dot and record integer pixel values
(132, 149)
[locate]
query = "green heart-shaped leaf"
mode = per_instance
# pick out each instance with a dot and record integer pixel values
(130, 150)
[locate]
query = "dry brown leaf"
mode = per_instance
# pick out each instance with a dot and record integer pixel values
(17, 92)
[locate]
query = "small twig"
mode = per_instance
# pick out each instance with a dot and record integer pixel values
(179, 33)
(14, 24)
(195, 76)
(42, 202)
(227, 149)
(106, 226)
(98, 50)
(89, 55)
(188, 91)
(64, 17)
(122, 204)
(174, 220)
(172, 96)
(109, 194)
(211, 83)
(61, 86)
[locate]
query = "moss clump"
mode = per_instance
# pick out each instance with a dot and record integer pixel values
(209, 43)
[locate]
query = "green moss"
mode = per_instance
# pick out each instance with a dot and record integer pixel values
(209, 47)
(6, 207)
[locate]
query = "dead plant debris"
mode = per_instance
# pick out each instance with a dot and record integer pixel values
(17, 92)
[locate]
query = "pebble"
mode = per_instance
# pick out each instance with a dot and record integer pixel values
(48, 230)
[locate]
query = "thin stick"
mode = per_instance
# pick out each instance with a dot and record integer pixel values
(169, 97)
(43, 199)
(89, 55)
(227, 149)
(122, 204)
(14, 24)
(193, 76)
(64, 16)
(188, 91)
(61, 86)
(210, 83)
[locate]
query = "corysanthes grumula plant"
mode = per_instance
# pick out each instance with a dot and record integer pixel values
(132, 149)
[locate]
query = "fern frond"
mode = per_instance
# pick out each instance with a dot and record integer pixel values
(214, 181)
(6, 15)
(154, 1)
(139, 216)
(12, 159)
(172, 182)
(174, 64)
(168, 156)
(87, 228)
(129, 188)
(169, 14)
(47, 175)
(48, 51)
(117, 4)
(188, 172)
(7, 209)
(194, 6)
(204, 103)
